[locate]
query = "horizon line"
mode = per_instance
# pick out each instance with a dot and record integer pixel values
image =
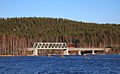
(59, 18)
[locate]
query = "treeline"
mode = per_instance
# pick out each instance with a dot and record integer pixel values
(78, 34)
(12, 45)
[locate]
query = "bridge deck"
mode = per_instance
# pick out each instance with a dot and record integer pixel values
(86, 49)
(70, 49)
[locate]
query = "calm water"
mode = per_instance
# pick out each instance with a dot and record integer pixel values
(95, 64)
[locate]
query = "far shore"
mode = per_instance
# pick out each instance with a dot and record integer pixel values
(10, 55)
(54, 54)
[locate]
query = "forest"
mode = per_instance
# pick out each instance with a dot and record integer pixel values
(17, 34)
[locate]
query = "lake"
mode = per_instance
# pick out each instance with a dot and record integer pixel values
(73, 64)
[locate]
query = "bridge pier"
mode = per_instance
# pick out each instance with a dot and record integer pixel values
(66, 52)
(79, 52)
(93, 52)
(35, 52)
(107, 49)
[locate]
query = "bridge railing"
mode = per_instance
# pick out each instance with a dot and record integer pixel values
(49, 45)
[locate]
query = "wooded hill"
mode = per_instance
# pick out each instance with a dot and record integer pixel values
(19, 33)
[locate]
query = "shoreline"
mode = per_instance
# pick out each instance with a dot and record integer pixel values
(53, 54)
(10, 55)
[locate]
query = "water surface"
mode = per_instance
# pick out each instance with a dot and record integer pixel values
(95, 64)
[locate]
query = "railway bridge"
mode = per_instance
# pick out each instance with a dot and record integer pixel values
(61, 46)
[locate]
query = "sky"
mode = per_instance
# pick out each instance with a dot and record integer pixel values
(91, 11)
